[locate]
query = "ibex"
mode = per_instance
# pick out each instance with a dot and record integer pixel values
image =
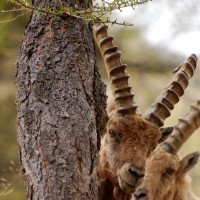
(130, 137)
(165, 176)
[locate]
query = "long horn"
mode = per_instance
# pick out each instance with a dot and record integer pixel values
(164, 103)
(183, 130)
(124, 99)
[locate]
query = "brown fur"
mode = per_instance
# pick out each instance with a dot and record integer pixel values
(165, 178)
(133, 140)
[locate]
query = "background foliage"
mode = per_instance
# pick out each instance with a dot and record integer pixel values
(10, 35)
(150, 68)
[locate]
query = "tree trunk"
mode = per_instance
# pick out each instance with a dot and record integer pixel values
(61, 105)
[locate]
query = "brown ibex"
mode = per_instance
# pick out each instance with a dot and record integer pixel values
(129, 137)
(165, 175)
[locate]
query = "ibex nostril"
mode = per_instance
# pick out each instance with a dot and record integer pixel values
(134, 172)
(140, 194)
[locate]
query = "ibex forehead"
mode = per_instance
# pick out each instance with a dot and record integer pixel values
(131, 121)
(135, 126)
(162, 159)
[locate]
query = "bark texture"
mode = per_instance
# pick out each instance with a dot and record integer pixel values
(61, 107)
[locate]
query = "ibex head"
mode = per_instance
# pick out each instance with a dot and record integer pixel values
(127, 142)
(129, 137)
(165, 172)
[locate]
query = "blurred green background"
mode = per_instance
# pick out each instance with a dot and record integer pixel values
(164, 34)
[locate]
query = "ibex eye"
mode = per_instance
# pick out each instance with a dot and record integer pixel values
(111, 133)
(170, 171)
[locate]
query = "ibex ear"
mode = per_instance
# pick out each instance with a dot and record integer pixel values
(188, 162)
(165, 133)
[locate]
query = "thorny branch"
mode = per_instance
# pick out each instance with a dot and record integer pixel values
(92, 13)
(13, 19)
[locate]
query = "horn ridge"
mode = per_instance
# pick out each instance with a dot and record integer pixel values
(117, 97)
(124, 101)
(177, 87)
(117, 69)
(183, 129)
(172, 93)
(123, 89)
(192, 59)
(112, 56)
(105, 40)
(157, 117)
(189, 70)
(111, 49)
(171, 146)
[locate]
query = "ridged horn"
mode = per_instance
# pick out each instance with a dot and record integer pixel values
(183, 130)
(124, 99)
(164, 103)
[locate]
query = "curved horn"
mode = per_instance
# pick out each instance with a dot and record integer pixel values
(124, 101)
(164, 103)
(183, 130)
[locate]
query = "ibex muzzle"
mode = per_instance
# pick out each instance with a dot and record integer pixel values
(141, 194)
(129, 176)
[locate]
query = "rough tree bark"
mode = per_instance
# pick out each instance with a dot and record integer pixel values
(61, 103)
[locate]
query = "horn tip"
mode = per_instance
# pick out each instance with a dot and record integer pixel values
(194, 56)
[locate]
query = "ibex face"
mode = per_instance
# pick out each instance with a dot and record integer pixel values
(125, 146)
(164, 176)
(159, 175)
